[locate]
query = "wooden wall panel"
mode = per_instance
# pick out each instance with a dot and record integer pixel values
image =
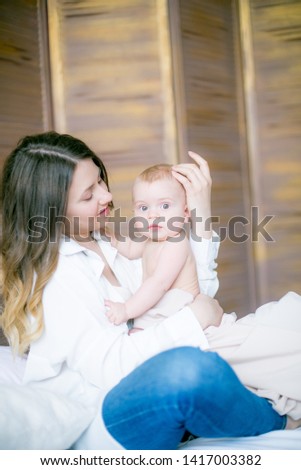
(22, 85)
(110, 66)
(142, 83)
(275, 33)
(214, 128)
(283, 256)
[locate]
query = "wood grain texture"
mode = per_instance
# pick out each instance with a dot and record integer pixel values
(277, 52)
(141, 81)
(215, 129)
(114, 85)
(21, 93)
(276, 44)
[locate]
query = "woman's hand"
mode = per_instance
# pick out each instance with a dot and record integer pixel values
(207, 311)
(196, 179)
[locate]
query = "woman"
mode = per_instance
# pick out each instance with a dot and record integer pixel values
(58, 270)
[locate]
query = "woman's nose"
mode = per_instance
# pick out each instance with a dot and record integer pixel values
(104, 196)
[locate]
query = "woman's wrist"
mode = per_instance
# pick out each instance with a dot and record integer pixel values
(201, 222)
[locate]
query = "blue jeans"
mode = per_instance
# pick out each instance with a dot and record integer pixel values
(184, 389)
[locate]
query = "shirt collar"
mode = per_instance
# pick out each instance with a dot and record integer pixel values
(108, 250)
(69, 247)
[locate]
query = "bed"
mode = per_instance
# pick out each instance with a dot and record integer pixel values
(31, 418)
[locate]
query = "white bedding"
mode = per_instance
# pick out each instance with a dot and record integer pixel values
(32, 418)
(275, 440)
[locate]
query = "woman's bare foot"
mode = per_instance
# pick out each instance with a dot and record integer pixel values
(292, 424)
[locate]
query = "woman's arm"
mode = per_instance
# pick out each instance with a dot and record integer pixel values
(205, 253)
(77, 333)
(196, 179)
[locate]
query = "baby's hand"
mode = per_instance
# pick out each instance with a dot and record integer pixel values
(116, 312)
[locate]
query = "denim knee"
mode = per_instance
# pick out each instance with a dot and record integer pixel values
(180, 375)
(191, 369)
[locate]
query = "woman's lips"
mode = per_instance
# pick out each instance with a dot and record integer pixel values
(105, 211)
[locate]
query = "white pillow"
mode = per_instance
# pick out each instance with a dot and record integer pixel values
(33, 418)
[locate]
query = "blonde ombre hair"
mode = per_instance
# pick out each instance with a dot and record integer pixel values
(36, 179)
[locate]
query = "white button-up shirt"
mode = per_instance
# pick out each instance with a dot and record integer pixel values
(80, 353)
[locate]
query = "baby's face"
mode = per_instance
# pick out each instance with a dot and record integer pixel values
(162, 205)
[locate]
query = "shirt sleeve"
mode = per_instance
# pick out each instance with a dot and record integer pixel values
(119, 353)
(78, 335)
(205, 252)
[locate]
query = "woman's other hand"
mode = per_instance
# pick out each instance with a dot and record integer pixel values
(207, 311)
(196, 179)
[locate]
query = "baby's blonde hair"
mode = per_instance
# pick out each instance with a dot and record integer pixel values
(161, 171)
(155, 173)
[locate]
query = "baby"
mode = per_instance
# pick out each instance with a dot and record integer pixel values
(169, 271)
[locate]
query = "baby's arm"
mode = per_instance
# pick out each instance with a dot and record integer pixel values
(170, 262)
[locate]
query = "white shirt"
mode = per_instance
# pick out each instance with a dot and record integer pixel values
(77, 331)
(80, 353)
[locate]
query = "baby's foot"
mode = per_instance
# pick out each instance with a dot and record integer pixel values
(292, 423)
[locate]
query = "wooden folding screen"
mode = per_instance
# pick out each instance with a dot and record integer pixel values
(143, 81)
(211, 116)
(238, 96)
(272, 73)
(24, 75)
(111, 72)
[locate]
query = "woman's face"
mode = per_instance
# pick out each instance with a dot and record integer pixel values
(88, 201)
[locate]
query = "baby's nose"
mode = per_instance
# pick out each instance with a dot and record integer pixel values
(152, 213)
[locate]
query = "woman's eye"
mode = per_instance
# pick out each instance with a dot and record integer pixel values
(165, 205)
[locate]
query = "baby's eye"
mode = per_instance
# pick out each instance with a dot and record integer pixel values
(143, 208)
(165, 205)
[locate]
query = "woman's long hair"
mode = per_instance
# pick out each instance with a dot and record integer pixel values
(35, 184)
